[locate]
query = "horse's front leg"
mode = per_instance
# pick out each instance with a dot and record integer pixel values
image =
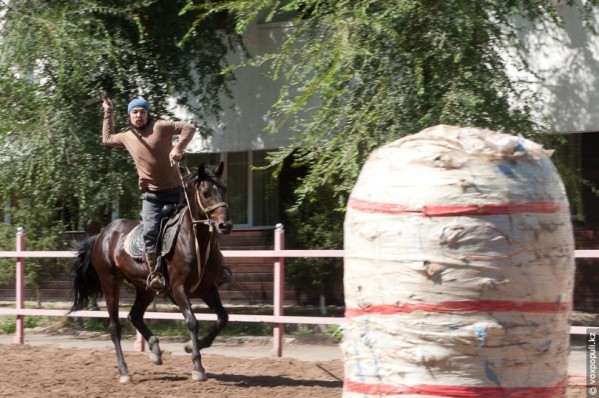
(212, 299)
(198, 373)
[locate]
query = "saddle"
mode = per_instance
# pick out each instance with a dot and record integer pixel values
(169, 228)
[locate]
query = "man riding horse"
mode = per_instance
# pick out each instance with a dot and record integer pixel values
(150, 144)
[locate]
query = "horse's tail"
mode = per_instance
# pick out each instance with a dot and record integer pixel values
(86, 284)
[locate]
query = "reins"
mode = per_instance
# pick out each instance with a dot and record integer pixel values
(195, 223)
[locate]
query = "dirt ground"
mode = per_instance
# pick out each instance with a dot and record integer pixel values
(52, 371)
(48, 371)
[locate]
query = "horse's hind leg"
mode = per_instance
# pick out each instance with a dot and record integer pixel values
(212, 299)
(143, 298)
(112, 304)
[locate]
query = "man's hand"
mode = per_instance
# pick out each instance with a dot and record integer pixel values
(106, 103)
(175, 155)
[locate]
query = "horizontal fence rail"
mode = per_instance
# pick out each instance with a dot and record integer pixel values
(226, 253)
(278, 319)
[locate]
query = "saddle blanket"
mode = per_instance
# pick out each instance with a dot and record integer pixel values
(134, 241)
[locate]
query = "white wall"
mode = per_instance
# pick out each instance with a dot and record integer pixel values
(245, 117)
(566, 61)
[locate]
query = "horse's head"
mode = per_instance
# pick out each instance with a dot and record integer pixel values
(207, 195)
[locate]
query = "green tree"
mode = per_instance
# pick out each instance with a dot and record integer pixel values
(310, 226)
(55, 56)
(380, 70)
(7, 242)
(383, 69)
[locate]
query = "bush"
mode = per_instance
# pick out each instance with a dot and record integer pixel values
(315, 225)
(37, 270)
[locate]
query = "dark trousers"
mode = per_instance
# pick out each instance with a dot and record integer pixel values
(151, 210)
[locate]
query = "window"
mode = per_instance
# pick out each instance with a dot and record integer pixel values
(238, 178)
(265, 192)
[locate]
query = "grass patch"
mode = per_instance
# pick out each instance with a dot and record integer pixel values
(177, 328)
(8, 324)
(169, 327)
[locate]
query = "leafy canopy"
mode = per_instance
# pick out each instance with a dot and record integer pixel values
(361, 73)
(358, 74)
(55, 56)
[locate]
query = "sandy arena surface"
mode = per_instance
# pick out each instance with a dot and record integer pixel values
(38, 369)
(65, 363)
(54, 371)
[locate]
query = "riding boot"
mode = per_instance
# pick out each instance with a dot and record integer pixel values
(155, 279)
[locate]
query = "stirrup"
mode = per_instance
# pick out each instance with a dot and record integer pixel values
(155, 281)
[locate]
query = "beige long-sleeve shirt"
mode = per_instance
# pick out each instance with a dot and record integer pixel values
(150, 149)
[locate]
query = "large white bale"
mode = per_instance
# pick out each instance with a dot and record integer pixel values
(459, 265)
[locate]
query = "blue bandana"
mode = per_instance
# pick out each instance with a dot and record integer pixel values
(138, 103)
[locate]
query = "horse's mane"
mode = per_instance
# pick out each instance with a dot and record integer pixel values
(204, 172)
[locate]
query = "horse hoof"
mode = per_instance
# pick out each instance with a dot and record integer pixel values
(156, 359)
(125, 379)
(198, 376)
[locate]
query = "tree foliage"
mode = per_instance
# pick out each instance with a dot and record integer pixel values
(310, 226)
(358, 74)
(55, 56)
(380, 70)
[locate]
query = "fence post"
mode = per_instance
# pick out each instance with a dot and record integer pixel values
(279, 290)
(19, 337)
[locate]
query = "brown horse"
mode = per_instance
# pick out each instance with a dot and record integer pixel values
(191, 268)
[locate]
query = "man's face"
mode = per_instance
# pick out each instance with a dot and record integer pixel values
(139, 117)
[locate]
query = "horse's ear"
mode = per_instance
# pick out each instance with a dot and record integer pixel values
(218, 170)
(201, 171)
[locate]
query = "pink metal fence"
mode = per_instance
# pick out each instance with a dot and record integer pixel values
(278, 319)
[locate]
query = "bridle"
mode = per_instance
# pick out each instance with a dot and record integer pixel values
(205, 210)
(196, 222)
